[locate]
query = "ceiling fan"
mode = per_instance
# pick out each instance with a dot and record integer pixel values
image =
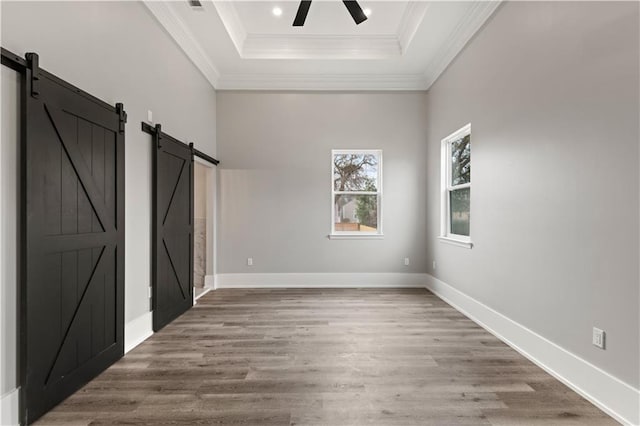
(352, 6)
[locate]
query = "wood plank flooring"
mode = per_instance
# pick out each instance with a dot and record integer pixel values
(324, 357)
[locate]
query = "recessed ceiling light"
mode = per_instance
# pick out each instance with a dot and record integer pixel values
(367, 12)
(276, 11)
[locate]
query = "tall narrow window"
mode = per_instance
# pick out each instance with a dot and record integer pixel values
(356, 193)
(456, 187)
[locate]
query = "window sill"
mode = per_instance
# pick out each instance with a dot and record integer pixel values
(455, 242)
(356, 236)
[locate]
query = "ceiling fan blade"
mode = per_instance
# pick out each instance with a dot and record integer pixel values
(301, 16)
(355, 10)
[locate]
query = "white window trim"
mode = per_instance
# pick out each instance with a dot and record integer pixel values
(446, 187)
(347, 235)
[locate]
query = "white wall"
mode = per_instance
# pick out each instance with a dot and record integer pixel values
(119, 53)
(275, 180)
(551, 92)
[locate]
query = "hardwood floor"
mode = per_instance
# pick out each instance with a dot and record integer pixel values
(324, 357)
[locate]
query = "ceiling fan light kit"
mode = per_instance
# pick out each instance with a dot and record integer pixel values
(352, 6)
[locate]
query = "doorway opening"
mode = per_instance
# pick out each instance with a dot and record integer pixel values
(203, 241)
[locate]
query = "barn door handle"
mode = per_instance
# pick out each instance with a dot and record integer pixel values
(34, 68)
(158, 134)
(122, 115)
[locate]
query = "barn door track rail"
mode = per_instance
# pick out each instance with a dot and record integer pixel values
(31, 63)
(147, 128)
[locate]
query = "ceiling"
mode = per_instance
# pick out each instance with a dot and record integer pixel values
(243, 45)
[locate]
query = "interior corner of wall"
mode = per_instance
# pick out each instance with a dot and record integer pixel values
(210, 281)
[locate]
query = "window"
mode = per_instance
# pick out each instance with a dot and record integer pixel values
(456, 188)
(356, 193)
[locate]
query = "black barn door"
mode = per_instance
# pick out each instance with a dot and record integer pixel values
(72, 299)
(173, 229)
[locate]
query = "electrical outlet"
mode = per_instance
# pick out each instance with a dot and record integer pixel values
(598, 338)
(249, 261)
(434, 265)
(406, 261)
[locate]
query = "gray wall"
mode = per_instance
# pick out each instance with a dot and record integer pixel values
(275, 177)
(551, 92)
(118, 52)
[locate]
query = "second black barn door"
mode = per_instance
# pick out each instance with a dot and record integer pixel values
(173, 229)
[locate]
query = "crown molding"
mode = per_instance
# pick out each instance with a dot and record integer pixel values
(168, 18)
(358, 82)
(411, 20)
(267, 46)
(467, 27)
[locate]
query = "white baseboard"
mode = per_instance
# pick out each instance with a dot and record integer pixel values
(616, 398)
(9, 408)
(206, 290)
(321, 280)
(137, 331)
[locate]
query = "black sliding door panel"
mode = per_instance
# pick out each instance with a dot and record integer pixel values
(72, 299)
(173, 229)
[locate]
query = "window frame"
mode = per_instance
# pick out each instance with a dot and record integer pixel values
(378, 234)
(447, 188)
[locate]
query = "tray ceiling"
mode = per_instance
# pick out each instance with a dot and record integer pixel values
(244, 45)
